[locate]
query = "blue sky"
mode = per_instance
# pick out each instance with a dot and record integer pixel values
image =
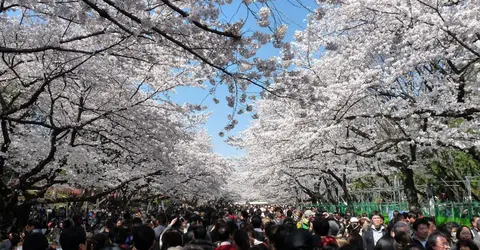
(291, 13)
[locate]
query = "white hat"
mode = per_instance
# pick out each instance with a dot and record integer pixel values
(308, 213)
(353, 220)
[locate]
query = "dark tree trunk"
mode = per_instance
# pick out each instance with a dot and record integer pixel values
(409, 187)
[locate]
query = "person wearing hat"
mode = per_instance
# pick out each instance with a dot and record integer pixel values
(353, 226)
(305, 221)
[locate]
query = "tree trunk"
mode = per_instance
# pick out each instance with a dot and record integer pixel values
(409, 187)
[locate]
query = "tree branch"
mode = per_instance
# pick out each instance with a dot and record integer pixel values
(198, 24)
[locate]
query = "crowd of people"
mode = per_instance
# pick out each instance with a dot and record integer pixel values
(242, 228)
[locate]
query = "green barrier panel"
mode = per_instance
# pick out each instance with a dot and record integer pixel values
(459, 212)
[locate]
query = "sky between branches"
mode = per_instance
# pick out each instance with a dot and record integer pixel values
(290, 12)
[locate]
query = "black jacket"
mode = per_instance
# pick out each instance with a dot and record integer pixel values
(387, 242)
(368, 240)
(417, 243)
(204, 244)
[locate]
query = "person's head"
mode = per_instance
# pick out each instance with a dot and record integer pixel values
(223, 233)
(414, 247)
(136, 222)
(276, 236)
(161, 219)
(14, 238)
(289, 213)
(278, 212)
(143, 237)
(450, 230)
(464, 233)
(431, 225)
(355, 239)
(195, 219)
(321, 226)
(199, 232)
(172, 238)
(421, 229)
(412, 216)
(110, 224)
(395, 213)
(119, 235)
(73, 238)
(256, 221)
(241, 240)
(467, 245)
(31, 225)
(244, 215)
(308, 214)
(299, 239)
(402, 239)
(399, 227)
(377, 219)
(232, 227)
(437, 241)
(36, 241)
(97, 242)
(474, 221)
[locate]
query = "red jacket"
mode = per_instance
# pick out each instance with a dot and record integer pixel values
(225, 247)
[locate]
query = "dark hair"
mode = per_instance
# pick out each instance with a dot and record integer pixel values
(136, 222)
(431, 219)
(417, 223)
(403, 239)
(194, 218)
(161, 218)
(467, 243)
(459, 230)
(447, 228)
(289, 213)
(278, 235)
(171, 238)
(199, 232)
(232, 226)
(15, 240)
(242, 240)
(97, 242)
(256, 221)
(321, 226)
(71, 238)
(143, 237)
(432, 239)
(223, 233)
(244, 214)
(278, 209)
(412, 215)
(473, 218)
(375, 213)
(271, 230)
(299, 239)
(33, 222)
(355, 239)
(36, 241)
(120, 235)
(414, 247)
(289, 224)
(110, 224)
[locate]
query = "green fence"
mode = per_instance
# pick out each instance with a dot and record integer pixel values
(444, 212)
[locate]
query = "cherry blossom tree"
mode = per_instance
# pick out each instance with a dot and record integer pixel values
(84, 94)
(375, 88)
